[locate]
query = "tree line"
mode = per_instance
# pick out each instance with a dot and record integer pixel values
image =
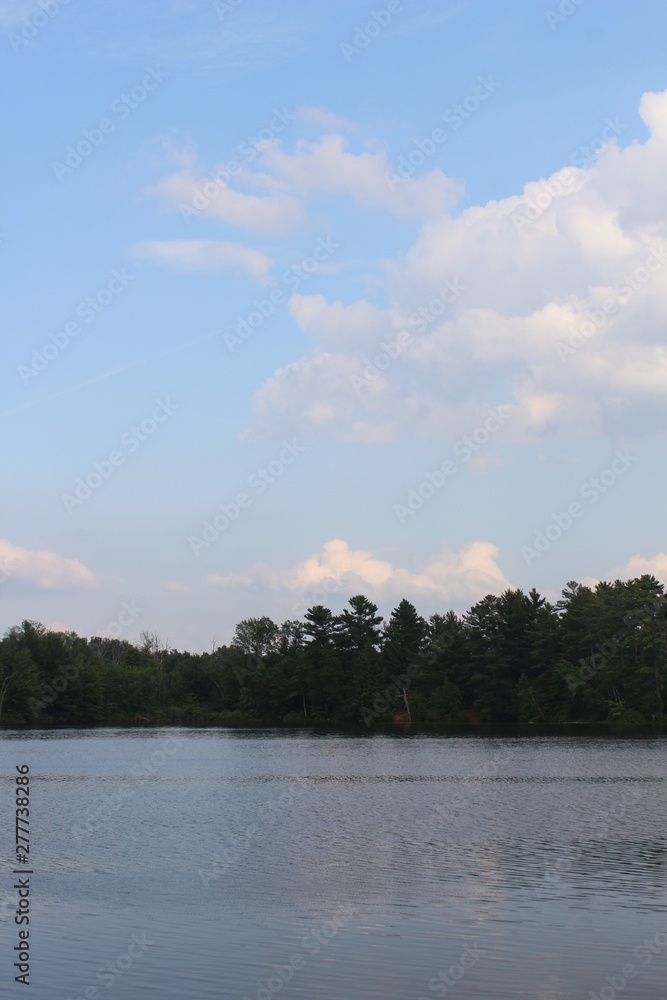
(596, 655)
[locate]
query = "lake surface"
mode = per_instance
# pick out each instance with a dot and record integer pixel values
(254, 864)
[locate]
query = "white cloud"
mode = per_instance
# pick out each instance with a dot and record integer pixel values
(59, 627)
(460, 577)
(327, 165)
(335, 325)
(202, 255)
(639, 566)
(571, 253)
(167, 151)
(43, 570)
(326, 120)
(177, 588)
(315, 394)
(184, 192)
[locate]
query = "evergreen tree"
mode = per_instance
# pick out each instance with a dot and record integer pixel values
(597, 655)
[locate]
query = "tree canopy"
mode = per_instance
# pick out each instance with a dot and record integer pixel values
(595, 655)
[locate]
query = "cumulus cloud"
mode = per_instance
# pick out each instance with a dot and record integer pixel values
(336, 325)
(205, 255)
(43, 570)
(560, 304)
(451, 577)
(177, 588)
(326, 165)
(639, 566)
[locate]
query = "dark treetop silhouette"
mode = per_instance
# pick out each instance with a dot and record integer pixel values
(597, 655)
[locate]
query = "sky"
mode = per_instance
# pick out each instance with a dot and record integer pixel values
(301, 301)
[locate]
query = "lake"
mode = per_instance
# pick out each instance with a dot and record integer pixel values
(252, 864)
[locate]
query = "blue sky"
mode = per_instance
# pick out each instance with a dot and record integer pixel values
(266, 267)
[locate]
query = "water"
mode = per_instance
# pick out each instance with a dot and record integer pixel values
(383, 867)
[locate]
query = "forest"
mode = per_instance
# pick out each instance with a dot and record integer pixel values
(595, 656)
